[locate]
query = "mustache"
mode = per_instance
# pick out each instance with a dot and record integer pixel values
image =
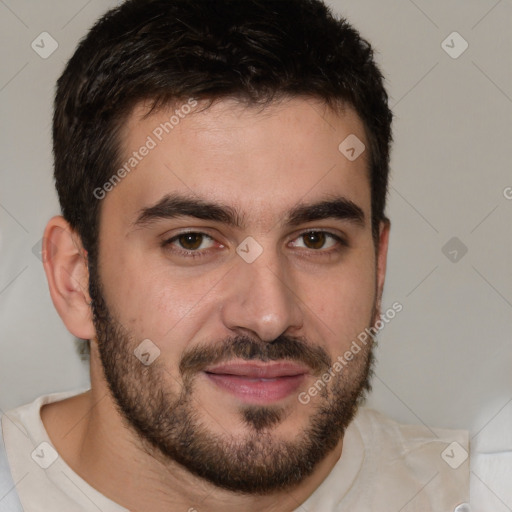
(243, 347)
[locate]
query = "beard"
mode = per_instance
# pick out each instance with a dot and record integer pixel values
(169, 425)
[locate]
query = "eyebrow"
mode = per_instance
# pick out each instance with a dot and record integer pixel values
(173, 206)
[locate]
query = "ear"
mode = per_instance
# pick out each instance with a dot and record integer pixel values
(65, 264)
(382, 254)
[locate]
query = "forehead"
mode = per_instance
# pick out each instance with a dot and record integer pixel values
(259, 159)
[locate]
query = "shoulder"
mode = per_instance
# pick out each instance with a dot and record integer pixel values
(407, 437)
(421, 467)
(22, 430)
(491, 462)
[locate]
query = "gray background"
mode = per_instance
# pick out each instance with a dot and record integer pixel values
(445, 360)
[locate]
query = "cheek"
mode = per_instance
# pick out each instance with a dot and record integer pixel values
(341, 302)
(154, 301)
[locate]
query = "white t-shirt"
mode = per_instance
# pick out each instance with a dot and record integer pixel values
(385, 467)
(491, 464)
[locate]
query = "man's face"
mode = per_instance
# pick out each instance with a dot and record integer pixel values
(242, 325)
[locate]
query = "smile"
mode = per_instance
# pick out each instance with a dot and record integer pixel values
(258, 383)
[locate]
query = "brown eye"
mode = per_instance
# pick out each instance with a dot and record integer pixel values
(192, 247)
(319, 241)
(191, 244)
(190, 241)
(314, 239)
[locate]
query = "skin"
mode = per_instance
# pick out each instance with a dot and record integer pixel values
(262, 162)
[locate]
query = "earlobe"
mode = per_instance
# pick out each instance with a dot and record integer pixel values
(65, 265)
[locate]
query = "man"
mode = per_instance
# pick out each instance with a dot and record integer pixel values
(222, 172)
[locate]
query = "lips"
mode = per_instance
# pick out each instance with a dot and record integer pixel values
(258, 382)
(253, 370)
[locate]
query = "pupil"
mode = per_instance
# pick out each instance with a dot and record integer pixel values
(190, 241)
(315, 240)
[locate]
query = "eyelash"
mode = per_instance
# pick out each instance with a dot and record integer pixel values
(183, 252)
(342, 243)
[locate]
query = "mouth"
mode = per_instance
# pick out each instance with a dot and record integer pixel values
(258, 383)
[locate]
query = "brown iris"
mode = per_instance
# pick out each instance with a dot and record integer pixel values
(190, 241)
(314, 240)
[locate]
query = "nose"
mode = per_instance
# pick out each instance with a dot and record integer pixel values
(261, 299)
